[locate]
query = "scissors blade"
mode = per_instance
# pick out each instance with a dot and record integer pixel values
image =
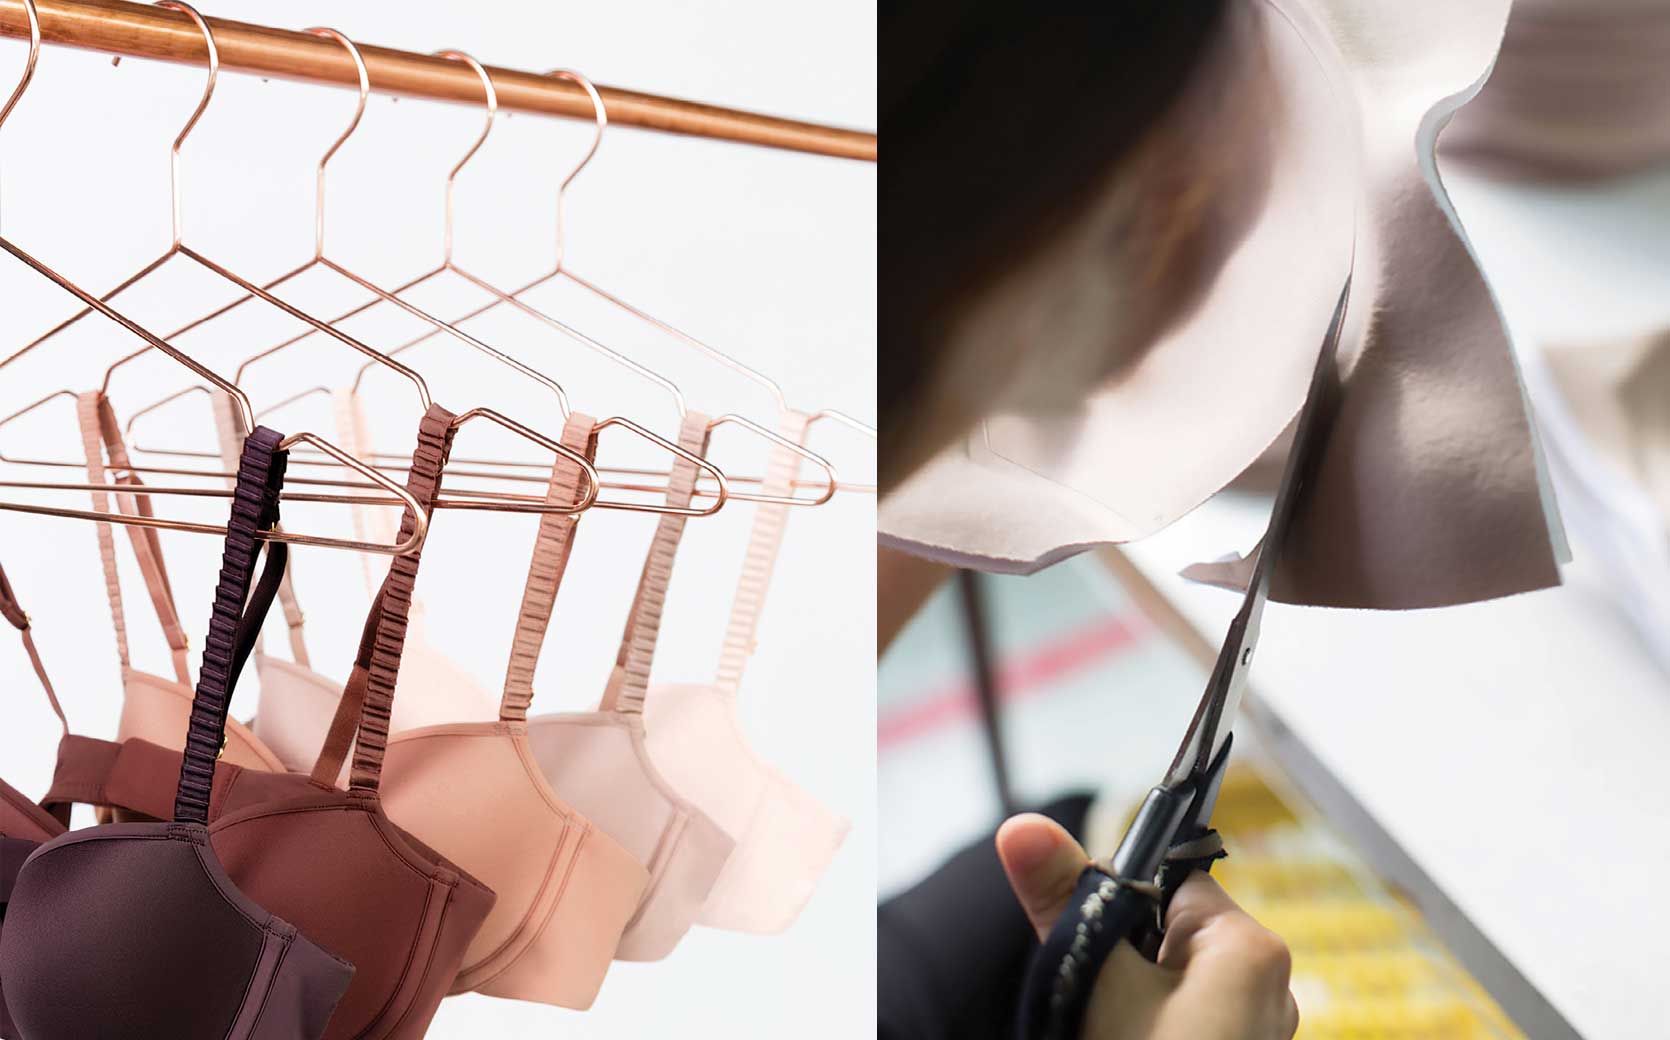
(1214, 717)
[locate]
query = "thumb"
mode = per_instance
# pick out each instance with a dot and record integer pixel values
(1043, 862)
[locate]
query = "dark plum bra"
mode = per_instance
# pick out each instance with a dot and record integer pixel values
(24, 826)
(135, 929)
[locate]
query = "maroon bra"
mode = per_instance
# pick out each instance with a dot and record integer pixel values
(24, 826)
(327, 859)
(136, 929)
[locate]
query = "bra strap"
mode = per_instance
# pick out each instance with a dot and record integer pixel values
(101, 436)
(629, 682)
(765, 543)
(371, 523)
(362, 716)
(229, 428)
(14, 613)
(231, 626)
(552, 547)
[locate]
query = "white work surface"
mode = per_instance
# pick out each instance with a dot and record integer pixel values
(1515, 749)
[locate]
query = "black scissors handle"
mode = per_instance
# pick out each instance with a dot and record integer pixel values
(1123, 900)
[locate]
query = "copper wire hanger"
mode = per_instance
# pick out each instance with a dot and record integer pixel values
(491, 105)
(319, 258)
(561, 270)
(409, 545)
(448, 264)
(484, 500)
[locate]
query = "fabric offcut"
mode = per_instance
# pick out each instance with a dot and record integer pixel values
(1432, 490)
(1578, 93)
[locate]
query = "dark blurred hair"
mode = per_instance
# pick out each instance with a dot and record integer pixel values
(996, 126)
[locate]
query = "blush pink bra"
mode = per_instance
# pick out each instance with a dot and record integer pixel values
(600, 765)
(475, 792)
(785, 837)
(154, 709)
(296, 704)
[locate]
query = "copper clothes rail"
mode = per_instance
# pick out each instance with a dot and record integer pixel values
(143, 31)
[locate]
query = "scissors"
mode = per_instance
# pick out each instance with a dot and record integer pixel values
(1126, 896)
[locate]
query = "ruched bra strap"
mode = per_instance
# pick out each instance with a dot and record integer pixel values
(229, 429)
(13, 612)
(362, 716)
(765, 543)
(552, 547)
(371, 524)
(629, 683)
(232, 625)
(101, 436)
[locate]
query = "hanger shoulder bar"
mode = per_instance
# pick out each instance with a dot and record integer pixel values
(143, 31)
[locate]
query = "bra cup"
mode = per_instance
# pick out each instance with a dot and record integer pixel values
(297, 704)
(565, 964)
(598, 763)
(696, 857)
(785, 837)
(287, 853)
(565, 889)
(69, 976)
(13, 851)
(158, 710)
(778, 864)
(293, 711)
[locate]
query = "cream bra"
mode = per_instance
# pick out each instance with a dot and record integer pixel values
(785, 837)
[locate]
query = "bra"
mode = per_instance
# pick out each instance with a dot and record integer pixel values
(296, 704)
(785, 837)
(154, 709)
(328, 859)
(24, 826)
(600, 764)
(135, 929)
(476, 791)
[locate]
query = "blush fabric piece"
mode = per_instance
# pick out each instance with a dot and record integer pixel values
(135, 929)
(1432, 490)
(1602, 405)
(475, 791)
(785, 837)
(331, 860)
(153, 708)
(1577, 94)
(600, 764)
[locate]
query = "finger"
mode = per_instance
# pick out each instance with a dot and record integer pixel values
(1226, 950)
(1043, 862)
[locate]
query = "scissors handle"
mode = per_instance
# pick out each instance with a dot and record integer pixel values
(1122, 900)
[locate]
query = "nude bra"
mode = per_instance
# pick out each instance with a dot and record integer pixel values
(785, 837)
(24, 826)
(135, 929)
(153, 708)
(475, 791)
(296, 704)
(329, 860)
(599, 763)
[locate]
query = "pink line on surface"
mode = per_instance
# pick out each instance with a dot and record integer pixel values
(1019, 677)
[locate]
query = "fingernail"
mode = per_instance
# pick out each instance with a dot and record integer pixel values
(1028, 847)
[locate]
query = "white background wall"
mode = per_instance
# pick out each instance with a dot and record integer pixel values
(768, 255)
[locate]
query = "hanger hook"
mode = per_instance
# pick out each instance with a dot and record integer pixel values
(353, 124)
(602, 115)
(202, 105)
(29, 65)
(490, 94)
